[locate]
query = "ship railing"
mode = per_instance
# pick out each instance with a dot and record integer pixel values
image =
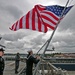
(23, 71)
(46, 68)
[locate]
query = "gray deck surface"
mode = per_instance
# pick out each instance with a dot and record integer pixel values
(10, 67)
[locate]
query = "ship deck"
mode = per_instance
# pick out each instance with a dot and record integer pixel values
(10, 68)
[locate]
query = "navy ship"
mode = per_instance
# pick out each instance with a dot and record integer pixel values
(63, 60)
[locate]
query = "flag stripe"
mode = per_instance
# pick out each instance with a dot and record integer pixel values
(36, 22)
(20, 26)
(48, 19)
(27, 20)
(49, 23)
(30, 20)
(40, 7)
(51, 17)
(51, 14)
(33, 19)
(39, 24)
(17, 25)
(24, 22)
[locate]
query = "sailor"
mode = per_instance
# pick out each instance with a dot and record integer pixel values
(17, 60)
(29, 62)
(2, 63)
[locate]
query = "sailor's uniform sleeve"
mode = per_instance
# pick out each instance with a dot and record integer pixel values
(35, 60)
(2, 64)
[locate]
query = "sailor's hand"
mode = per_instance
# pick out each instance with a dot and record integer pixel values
(38, 57)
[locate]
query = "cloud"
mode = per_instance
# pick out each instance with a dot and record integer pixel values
(11, 11)
(21, 40)
(14, 11)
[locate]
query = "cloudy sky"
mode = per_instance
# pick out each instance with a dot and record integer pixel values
(19, 41)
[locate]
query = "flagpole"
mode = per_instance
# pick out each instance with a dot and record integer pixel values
(55, 28)
(42, 47)
(48, 41)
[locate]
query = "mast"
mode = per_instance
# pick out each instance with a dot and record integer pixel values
(49, 40)
(55, 27)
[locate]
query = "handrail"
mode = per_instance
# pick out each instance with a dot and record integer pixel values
(51, 69)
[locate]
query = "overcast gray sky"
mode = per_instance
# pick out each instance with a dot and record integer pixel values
(11, 10)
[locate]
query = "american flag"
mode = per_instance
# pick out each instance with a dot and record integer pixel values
(40, 18)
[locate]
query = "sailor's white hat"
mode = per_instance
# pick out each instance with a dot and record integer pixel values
(29, 50)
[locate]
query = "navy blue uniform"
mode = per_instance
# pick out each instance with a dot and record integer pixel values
(2, 65)
(17, 59)
(29, 64)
